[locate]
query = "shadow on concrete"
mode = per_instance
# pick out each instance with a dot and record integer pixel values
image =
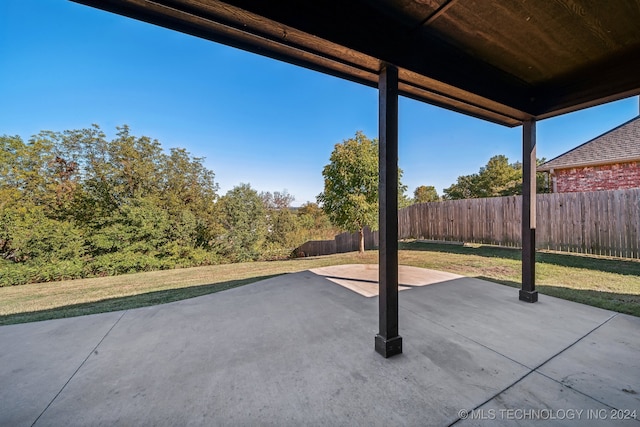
(127, 302)
(619, 266)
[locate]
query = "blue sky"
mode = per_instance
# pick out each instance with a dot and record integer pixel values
(256, 120)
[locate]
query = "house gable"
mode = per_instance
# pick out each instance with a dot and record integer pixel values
(619, 145)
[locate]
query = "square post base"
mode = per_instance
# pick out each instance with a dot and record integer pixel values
(528, 296)
(388, 347)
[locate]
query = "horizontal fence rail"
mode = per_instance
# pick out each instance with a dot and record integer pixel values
(598, 223)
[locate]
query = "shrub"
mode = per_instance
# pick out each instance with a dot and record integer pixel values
(124, 262)
(14, 273)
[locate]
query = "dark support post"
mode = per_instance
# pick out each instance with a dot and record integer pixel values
(528, 292)
(388, 342)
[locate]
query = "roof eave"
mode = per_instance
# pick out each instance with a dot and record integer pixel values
(356, 50)
(543, 168)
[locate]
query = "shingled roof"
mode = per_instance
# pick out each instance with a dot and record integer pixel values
(619, 145)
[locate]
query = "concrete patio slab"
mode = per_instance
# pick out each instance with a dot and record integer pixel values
(489, 313)
(37, 359)
(298, 350)
(363, 278)
(540, 400)
(605, 365)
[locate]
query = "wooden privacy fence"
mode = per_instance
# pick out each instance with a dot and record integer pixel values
(598, 223)
(494, 221)
(345, 242)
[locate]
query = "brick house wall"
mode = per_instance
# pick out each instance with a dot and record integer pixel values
(594, 178)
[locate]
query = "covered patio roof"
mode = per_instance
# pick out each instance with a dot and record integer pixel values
(512, 62)
(505, 61)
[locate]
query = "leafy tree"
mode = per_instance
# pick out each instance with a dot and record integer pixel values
(139, 226)
(313, 224)
(26, 170)
(281, 221)
(11, 179)
(312, 217)
(188, 192)
(282, 227)
(425, 194)
(277, 200)
(27, 234)
(542, 179)
(124, 168)
(497, 178)
(311, 210)
(243, 223)
(404, 200)
(464, 188)
(350, 196)
(74, 203)
(185, 181)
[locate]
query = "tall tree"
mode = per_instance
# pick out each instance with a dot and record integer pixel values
(26, 169)
(350, 196)
(314, 224)
(425, 194)
(188, 192)
(243, 221)
(102, 206)
(12, 179)
(277, 200)
(311, 216)
(497, 178)
(281, 221)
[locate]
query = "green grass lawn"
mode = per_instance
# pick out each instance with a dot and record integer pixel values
(613, 284)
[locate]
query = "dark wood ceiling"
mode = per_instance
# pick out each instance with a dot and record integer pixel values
(501, 60)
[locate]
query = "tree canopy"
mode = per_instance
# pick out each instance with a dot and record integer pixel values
(425, 194)
(78, 204)
(243, 219)
(350, 196)
(497, 178)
